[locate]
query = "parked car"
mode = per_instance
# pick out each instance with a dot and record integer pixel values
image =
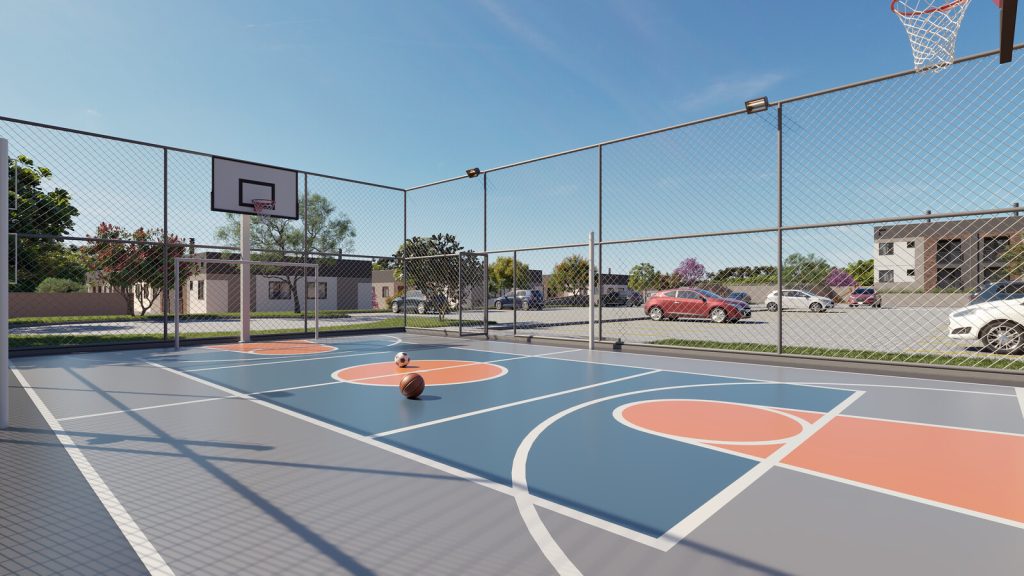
(993, 291)
(610, 299)
(865, 297)
(417, 302)
(525, 299)
(997, 324)
(694, 303)
(574, 301)
(740, 296)
(798, 299)
(634, 299)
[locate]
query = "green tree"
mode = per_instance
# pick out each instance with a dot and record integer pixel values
(325, 230)
(500, 275)
(45, 212)
(438, 277)
(136, 269)
(863, 271)
(805, 269)
(1013, 261)
(59, 285)
(643, 277)
(571, 275)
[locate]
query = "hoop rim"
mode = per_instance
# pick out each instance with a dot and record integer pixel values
(261, 204)
(943, 8)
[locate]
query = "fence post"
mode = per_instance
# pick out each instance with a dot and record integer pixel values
(5, 363)
(515, 290)
(778, 255)
(487, 291)
(462, 291)
(177, 305)
(590, 290)
(167, 277)
(305, 257)
(600, 238)
(405, 256)
(316, 301)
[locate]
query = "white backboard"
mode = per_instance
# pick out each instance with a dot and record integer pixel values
(236, 184)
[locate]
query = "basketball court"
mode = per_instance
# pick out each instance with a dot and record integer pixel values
(531, 459)
(263, 450)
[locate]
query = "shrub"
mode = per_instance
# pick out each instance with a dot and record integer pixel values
(52, 285)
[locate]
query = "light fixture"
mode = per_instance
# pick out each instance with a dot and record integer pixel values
(756, 105)
(473, 172)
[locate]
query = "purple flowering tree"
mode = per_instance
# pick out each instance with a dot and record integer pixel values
(690, 271)
(838, 277)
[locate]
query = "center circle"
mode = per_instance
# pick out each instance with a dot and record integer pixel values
(710, 421)
(434, 372)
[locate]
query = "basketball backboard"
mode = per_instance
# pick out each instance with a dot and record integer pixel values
(239, 186)
(1007, 24)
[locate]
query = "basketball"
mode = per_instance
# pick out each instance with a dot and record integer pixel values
(402, 359)
(412, 385)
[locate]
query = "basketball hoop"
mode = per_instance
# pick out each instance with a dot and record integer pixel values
(932, 26)
(261, 206)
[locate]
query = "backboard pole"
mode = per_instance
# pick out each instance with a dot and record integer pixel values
(177, 304)
(316, 302)
(1007, 25)
(5, 363)
(244, 284)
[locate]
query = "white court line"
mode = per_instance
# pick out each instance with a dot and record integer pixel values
(508, 405)
(905, 496)
(1020, 399)
(145, 550)
(112, 412)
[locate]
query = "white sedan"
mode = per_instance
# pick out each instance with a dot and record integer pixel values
(999, 325)
(800, 299)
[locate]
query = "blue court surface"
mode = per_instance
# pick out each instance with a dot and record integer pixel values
(517, 459)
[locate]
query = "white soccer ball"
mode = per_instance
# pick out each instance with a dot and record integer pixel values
(402, 359)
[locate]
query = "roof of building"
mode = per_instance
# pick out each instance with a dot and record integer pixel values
(951, 228)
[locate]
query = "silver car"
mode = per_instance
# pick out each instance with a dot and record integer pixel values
(798, 300)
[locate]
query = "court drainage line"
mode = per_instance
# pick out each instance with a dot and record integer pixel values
(136, 538)
(508, 405)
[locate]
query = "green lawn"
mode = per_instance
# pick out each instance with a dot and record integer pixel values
(1008, 363)
(38, 340)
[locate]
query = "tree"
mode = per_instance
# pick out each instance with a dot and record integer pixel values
(643, 277)
(133, 264)
(1013, 261)
(805, 268)
(863, 271)
(837, 277)
(438, 277)
(571, 275)
(500, 275)
(326, 231)
(690, 271)
(48, 213)
(59, 285)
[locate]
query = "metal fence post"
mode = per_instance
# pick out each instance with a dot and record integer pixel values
(600, 238)
(462, 291)
(316, 302)
(487, 291)
(590, 290)
(778, 260)
(5, 366)
(515, 290)
(177, 306)
(305, 256)
(164, 263)
(405, 247)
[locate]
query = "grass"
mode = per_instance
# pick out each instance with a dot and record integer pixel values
(1008, 363)
(50, 340)
(50, 320)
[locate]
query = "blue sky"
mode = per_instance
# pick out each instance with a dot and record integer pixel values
(407, 92)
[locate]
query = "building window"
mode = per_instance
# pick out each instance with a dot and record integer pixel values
(948, 278)
(201, 289)
(885, 249)
(280, 290)
(885, 275)
(948, 252)
(385, 292)
(992, 274)
(911, 244)
(321, 291)
(910, 272)
(992, 248)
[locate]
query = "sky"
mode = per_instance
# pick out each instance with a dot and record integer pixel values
(403, 93)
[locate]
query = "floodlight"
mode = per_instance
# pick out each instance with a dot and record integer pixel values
(473, 172)
(756, 105)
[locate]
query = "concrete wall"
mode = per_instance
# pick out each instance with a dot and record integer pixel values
(33, 304)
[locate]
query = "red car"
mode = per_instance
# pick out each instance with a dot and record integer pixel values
(695, 303)
(865, 297)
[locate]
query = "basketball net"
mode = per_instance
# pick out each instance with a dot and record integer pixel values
(932, 26)
(261, 206)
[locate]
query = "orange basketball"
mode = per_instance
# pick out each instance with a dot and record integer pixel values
(412, 385)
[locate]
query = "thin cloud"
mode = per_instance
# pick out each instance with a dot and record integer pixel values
(92, 112)
(731, 90)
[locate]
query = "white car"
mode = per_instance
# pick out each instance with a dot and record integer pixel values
(799, 299)
(999, 325)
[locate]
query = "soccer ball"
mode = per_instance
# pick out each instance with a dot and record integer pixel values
(402, 359)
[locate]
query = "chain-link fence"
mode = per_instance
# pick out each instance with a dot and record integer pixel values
(879, 221)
